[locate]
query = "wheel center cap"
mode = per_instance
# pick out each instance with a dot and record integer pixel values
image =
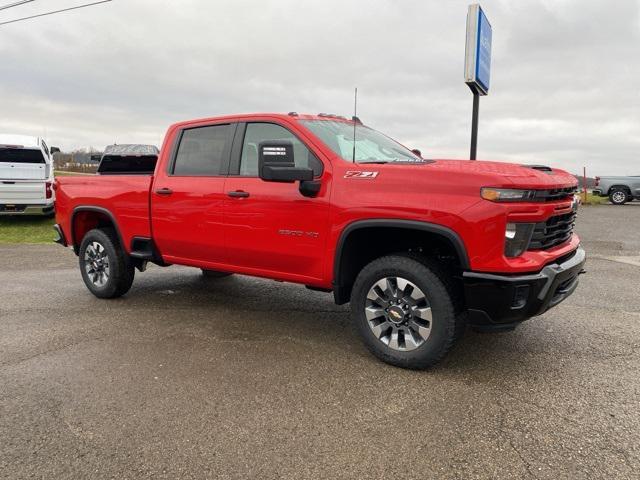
(396, 314)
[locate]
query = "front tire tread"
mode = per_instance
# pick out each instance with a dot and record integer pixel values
(432, 279)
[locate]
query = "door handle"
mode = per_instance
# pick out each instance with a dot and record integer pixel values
(238, 194)
(164, 191)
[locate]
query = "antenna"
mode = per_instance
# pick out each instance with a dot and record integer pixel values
(355, 117)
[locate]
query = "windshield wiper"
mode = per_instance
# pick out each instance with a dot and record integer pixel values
(379, 162)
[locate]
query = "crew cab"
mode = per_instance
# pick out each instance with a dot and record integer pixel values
(420, 248)
(26, 176)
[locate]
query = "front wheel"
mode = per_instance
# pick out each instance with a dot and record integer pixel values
(404, 311)
(106, 269)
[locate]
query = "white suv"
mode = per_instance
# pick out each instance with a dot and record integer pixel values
(26, 176)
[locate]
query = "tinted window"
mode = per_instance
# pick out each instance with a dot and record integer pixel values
(260, 132)
(128, 164)
(20, 155)
(202, 151)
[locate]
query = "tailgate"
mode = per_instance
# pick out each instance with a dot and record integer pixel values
(22, 192)
(23, 171)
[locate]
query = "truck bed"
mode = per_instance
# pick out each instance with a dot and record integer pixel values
(124, 196)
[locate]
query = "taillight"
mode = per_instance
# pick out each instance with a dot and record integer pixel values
(48, 190)
(597, 181)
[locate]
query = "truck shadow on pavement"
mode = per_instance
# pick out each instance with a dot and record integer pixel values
(265, 313)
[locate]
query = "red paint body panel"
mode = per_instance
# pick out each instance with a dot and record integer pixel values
(125, 196)
(277, 233)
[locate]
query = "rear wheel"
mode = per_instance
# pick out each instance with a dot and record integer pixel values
(404, 310)
(214, 274)
(106, 269)
(618, 196)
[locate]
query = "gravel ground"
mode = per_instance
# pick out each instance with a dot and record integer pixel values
(248, 378)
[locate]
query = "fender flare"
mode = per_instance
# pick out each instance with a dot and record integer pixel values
(620, 186)
(92, 208)
(445, 232)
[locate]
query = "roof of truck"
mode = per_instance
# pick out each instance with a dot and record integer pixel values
(249, 116)
(24, 141)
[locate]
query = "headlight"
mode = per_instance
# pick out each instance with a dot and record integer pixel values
(516, 238)
(506, 194)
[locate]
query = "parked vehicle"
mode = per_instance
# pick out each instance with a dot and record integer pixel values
(419, 247)
(26, 176)
(620, 190)
(128, 159)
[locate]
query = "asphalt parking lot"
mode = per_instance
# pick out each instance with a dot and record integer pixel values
(248, 378)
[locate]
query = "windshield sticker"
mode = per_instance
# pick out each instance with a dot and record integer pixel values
(358, 174)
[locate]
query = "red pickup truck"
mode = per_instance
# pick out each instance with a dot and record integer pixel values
(419, 247)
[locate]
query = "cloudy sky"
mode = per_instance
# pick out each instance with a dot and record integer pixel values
(564, 90)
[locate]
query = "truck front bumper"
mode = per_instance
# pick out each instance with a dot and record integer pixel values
(502, 301)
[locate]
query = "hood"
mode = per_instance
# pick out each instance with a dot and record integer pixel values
(508, 175)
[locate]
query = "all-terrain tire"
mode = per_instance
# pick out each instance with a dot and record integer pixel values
(105, 267)
(433, 281)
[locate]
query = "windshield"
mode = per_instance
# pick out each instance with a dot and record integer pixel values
(20, 155)
(370, 146)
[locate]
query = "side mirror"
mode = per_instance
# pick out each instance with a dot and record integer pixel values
(417, 152)
(276, 163)
(53, 150)
(96, 157)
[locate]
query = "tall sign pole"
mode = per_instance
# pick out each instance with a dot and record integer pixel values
(477, 64)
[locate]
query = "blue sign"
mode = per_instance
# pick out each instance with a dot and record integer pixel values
(483, 52)
(478, 50)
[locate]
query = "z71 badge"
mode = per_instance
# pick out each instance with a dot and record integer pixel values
(358, 174)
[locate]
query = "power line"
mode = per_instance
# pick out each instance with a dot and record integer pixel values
(55, 11)
(16, 4)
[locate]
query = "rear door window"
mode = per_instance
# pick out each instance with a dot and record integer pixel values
(203, 151)
(20, 155)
